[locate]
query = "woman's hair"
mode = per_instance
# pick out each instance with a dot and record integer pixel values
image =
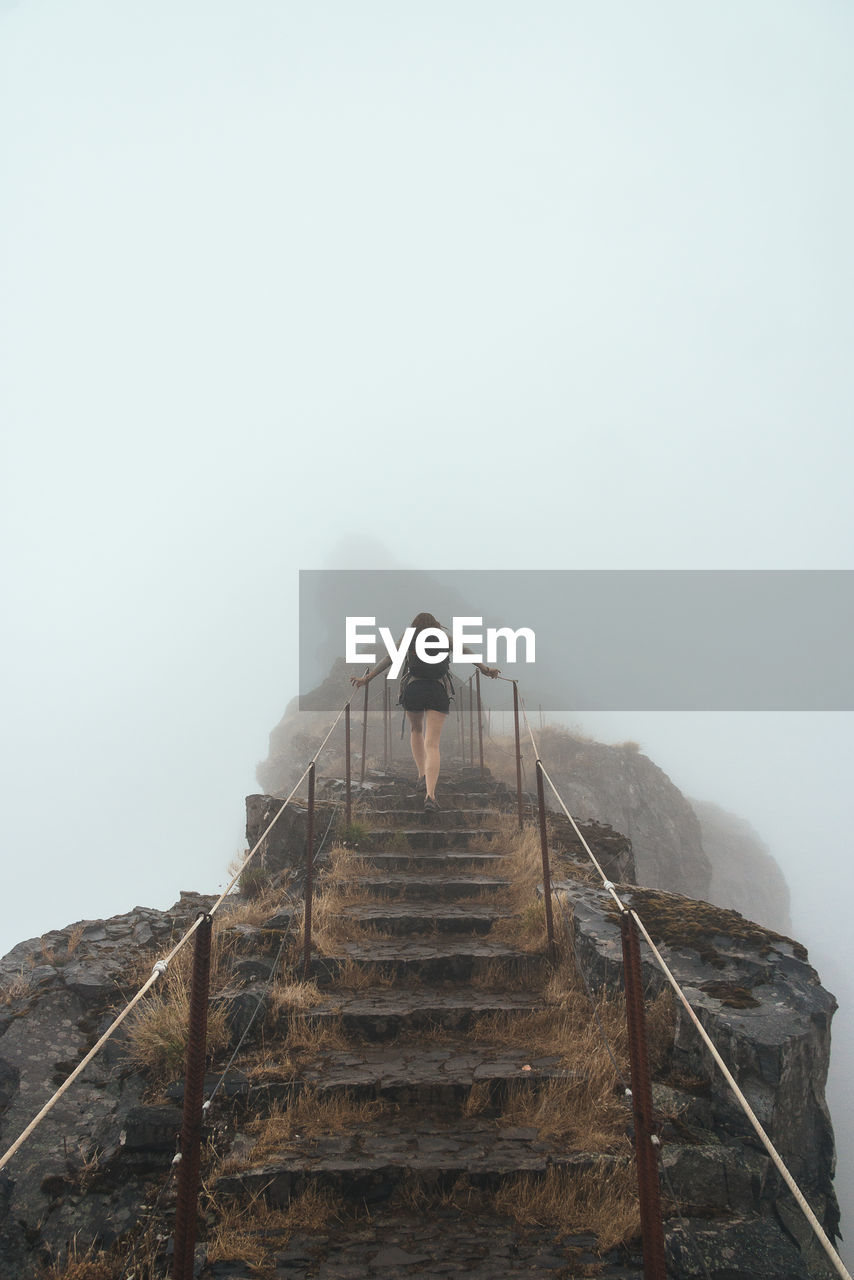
(423, 620)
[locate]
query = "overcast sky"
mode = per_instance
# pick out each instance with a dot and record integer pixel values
(480, 285)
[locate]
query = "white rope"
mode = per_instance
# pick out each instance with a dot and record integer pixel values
(834, 1257)
(160, 967)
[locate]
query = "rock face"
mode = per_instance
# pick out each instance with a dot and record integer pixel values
(745, 876)
(620, 786)
(71, 1174)
(765, 1009)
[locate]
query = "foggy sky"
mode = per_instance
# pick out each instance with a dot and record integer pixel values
(497, 285)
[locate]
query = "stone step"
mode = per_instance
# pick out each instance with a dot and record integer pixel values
(383, 1013)
(426, 917)
(455, 779)
(377, 1013)
(449, 958)
(440, 888)
(368, 1162)
(428, 837)
(454, 799)
(394, 1243)
(417, 1075)
(444, 861)
(447, 815)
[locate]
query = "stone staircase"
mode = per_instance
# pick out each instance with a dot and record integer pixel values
(422, 1160)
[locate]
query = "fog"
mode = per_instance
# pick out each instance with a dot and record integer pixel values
(488, 286)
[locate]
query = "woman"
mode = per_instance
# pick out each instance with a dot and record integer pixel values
(425, 699)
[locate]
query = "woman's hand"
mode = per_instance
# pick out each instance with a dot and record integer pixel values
(492, 672)
(358, 681)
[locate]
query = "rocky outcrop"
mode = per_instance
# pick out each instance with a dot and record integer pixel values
(745, 876)
(56, 996)
(622, 787)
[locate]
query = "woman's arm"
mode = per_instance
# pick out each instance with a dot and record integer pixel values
(492, 672)
(382, 665)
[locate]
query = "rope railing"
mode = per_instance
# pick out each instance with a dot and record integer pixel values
(629, 913)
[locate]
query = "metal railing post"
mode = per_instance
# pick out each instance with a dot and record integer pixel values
(461, 725)
(479, 720)
(364, 732)
(649, 1193)
(518, 752)
(191, 1123)
(385, 726)
(309, 869)
(544, 846)
(471, 722)
(348, 788)
(390, 727)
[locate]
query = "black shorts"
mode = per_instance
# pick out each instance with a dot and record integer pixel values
(426, 695)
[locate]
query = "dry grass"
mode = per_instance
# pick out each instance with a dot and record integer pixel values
(353, 976)
(287, 997)
(332, 926)
(88, 1264)
(526, 930)
(331, 931)
(16, 987)
(311, 1115)
(478, 1101)
(75, 935)
(252, 1232)
(583, 1112)
(587, 1109)
(344, 867)
(254, 909)
(497, 975)
(310, 1036)
(158, 1029)
(602, 1199)
(299, 1041)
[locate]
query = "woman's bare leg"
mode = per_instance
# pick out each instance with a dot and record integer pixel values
(432, 734)
(416, 739)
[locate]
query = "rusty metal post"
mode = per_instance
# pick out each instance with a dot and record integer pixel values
(544, 846)
(385, 726)
(348, 788)
(461, 725)
(364, 732)
(390, 727)
(479, 719)
(309, 871)
(471, 722)
(518, 752)
(191, 1123)
(649, 1194)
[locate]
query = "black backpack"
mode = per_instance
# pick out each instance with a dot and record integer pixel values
(419, 670)
(414, 669)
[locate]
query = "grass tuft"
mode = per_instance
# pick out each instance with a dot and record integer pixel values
(602, 1200)
(158, 1029)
